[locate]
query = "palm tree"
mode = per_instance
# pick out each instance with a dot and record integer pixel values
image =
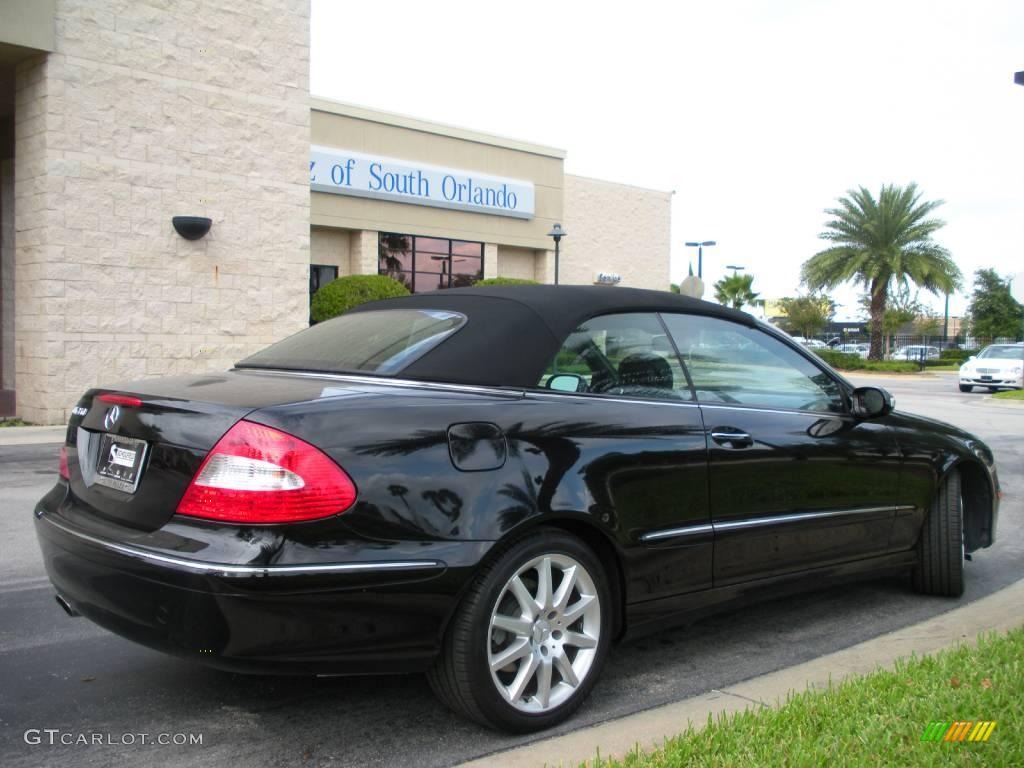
(881, 244)
(735, 291)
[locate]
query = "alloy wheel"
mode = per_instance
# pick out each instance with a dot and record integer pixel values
(544, 632)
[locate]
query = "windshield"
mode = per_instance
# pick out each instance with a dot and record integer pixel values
(1006, 352)
(381, 342)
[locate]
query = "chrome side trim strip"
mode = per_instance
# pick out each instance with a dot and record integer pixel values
(673, 533)
(757, 522)
(597, 397)
(784, 412)
(226, 569)
(387, 381)
(796, 517)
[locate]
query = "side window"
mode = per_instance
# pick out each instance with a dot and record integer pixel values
(627, 354)
(734, 364)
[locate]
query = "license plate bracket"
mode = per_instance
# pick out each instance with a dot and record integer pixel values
(120, 461)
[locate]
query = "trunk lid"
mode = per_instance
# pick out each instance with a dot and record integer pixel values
(133, 449)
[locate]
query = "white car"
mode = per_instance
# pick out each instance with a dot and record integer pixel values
(811, 343)
(915, 352)
(856, 349)
(997, 366)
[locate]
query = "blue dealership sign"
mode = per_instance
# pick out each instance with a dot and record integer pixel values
(343, 172)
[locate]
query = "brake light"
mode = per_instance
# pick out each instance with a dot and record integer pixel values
(257, 474)
(65, 473)
(110, 397)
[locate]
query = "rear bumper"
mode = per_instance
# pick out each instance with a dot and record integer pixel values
(379, 616)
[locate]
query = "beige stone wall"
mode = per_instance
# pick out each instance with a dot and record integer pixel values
(518, 262)
(615, 228)
(143, 112)
(331, 246)
(7, 272)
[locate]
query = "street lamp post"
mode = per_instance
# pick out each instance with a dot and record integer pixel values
(945, 324)
(700, 254)
(444, 269)
(557, 233)
(735, 268)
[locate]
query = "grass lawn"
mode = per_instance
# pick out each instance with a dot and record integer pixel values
(1010, 394)
(876, 720)
(15, 423)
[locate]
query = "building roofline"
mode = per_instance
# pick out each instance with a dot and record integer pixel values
(666, 192)
(320, 104)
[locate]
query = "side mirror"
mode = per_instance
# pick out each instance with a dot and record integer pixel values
(567, 382)
(972, 357)
(872, 402)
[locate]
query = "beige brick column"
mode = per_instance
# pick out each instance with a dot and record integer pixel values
(545, 266)
(490, 260)
(144, 112)
(365, 253)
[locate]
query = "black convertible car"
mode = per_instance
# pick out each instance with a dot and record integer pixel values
(492, 486)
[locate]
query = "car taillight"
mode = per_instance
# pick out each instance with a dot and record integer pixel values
(257, 474)
(65, 473)
(114, 399)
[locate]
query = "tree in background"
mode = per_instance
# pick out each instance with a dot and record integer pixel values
(993, 312)
(880, 244)
(928, 324)
(903, 307)
(735, 291)
(806, 315)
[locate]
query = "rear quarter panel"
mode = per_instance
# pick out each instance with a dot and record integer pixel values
(620, 468)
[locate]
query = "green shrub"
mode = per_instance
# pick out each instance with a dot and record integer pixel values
(847, 361)
(956, 355)
(341, 295)
(505, 281)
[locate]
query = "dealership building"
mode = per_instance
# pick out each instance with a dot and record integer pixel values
(116, 118)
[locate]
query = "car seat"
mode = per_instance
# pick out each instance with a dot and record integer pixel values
(645, 374)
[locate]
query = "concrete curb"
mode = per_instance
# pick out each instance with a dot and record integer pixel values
(32, 435)
(998, 612)
(989, 400)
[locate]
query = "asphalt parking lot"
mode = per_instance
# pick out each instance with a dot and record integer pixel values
(66, 674)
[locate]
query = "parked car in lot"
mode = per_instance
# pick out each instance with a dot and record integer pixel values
(915, 352)
(810, 343)
(997, 366)
(856, 349)
(493, 485)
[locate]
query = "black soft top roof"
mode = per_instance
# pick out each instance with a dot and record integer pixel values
(514, 331)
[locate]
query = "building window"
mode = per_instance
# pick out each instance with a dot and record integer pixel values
(424, 264)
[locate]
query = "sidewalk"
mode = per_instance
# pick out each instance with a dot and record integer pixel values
(999, 612)
(32, 435)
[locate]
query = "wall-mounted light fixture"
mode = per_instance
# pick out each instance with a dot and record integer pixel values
(191, 227)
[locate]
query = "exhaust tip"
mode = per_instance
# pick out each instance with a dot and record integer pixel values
(66, 606)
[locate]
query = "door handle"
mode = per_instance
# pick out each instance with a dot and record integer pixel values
(731, 437)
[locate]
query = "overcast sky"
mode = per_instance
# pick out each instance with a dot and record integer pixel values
(758, 114)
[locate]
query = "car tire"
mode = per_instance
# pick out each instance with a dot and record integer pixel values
(940, 550)
(567, 640)
(966, 388)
